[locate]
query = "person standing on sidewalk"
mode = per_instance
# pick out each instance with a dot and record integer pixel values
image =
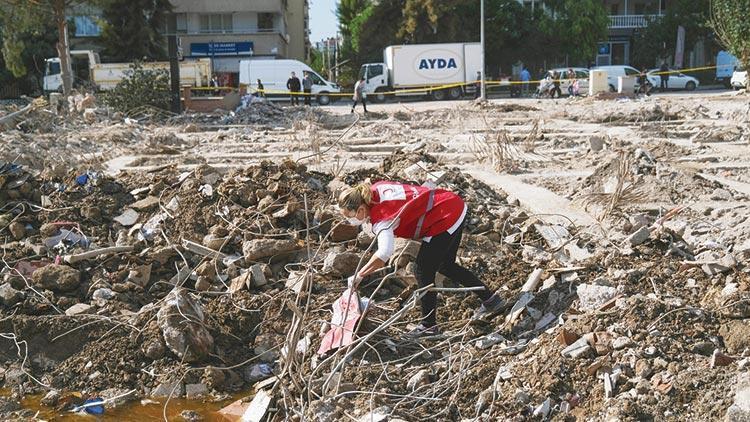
(555, 85)
(525, 79)
(437, 218)
(260, 91)
(359, 94)
(307, 87)
(664, 77)
(294, 87)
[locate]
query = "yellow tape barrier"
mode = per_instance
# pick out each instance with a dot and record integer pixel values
(428, 89)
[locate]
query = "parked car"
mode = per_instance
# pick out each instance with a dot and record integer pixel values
(739, 78)
(581, 73)
(614, 72)
(676, 80)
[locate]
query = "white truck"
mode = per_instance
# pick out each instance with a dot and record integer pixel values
(440, 71)
(88, 70)
(273, 74)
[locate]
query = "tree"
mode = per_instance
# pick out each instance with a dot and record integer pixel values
(21, 16)
(730, 20)
(131, 29)
(30, 54)
(656, 42)
(576, 27)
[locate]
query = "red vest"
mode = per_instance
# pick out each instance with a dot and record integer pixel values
(408, 203)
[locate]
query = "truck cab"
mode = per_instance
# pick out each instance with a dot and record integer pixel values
(81, 64)
(376, 80)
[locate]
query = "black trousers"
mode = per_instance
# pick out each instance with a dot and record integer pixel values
(364, 104)
(294, 99)
(308, 96)
(664, 84)
(555, 88)
(439, 255)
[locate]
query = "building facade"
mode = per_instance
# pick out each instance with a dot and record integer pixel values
(227, 31)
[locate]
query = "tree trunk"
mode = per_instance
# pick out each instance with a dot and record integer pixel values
(63, 49)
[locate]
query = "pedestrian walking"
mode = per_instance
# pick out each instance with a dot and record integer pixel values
(478, 86)
(359, 94)
(525, 79)
(664, 77)
(555, 85)
(214, 83)
(437, 218)
(260, 91)
(294, 86)
(307, 87)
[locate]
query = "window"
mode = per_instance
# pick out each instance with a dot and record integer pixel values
(53, 68)
(216, 23)
(265, 21)
(316, 80)
(375, 70)
(580, 74)
(630, 71)
(614, 9)
(86, 26)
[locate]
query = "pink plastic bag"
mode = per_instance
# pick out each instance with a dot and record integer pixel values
(341, 332)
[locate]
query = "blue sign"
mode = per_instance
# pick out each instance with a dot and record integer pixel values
(221, 48)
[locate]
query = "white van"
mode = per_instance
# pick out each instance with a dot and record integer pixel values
(273, 74)
(614, 72)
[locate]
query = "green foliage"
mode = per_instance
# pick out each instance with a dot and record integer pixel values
(13, 48)
(730, 20)
(657, 42)
(140, 87)
(575, 27)
(131, 29)
(23, 53)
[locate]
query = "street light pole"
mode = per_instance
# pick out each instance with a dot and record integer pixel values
(481, 29)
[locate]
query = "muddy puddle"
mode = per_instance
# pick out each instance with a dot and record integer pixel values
(133, 411)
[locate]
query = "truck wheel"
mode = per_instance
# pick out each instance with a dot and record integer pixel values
(455, 93)
(438, 95)
(612, 88)
(379, 96)
(324, 99)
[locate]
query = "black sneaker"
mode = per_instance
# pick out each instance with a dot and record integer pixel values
(422, 331)
(490, 307)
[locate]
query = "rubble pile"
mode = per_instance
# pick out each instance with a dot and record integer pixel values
(197, 271)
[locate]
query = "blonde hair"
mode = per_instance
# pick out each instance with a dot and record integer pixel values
(354, 197)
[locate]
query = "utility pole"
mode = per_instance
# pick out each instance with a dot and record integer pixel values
(174, 74)
(481, 29)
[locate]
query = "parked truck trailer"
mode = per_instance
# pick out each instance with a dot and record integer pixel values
(88, 70)
(438, 71)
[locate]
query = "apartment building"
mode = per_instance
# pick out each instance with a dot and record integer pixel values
(225, 30)
(625, 18)
(229, 31)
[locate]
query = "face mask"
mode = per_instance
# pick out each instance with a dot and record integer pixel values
(354, 221)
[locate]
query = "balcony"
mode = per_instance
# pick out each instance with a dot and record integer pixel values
(631, 21)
